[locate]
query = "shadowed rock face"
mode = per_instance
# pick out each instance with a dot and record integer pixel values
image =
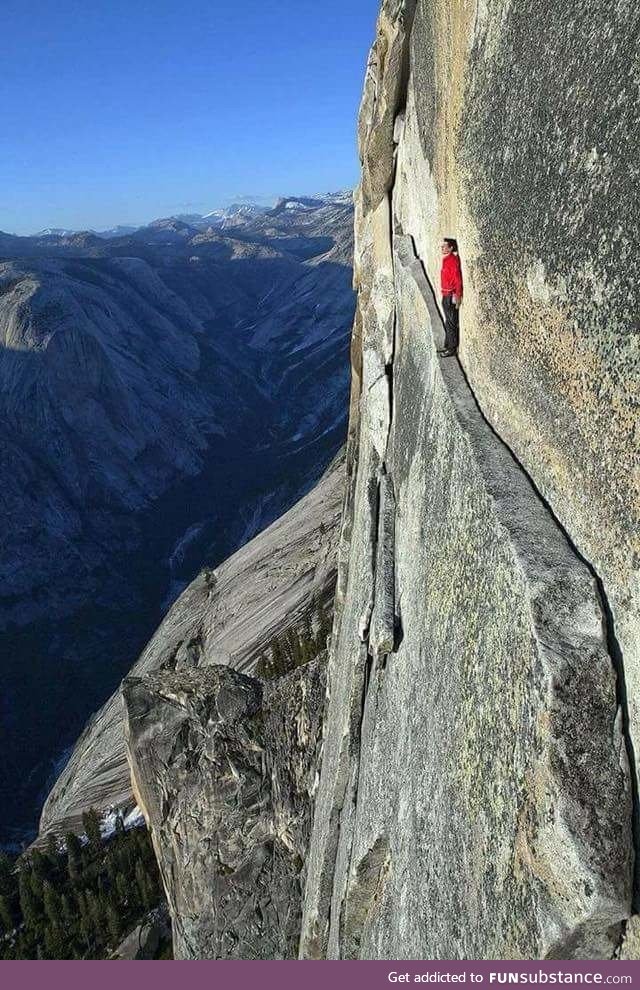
(224, 768)
(475, 798)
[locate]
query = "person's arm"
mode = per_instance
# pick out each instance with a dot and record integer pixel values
(457, 288)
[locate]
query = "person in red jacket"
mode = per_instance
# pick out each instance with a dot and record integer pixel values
(451, 286)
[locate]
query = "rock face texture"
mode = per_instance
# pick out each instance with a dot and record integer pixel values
(552, 357)
(475, 798)
(226, 616)
(164, 396)
(224, 769)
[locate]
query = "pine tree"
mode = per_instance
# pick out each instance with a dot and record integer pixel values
(55, 942)
(74, 856)
(40, 865)
(140, 881)
(83, 907)
(120, 829)
(6, 915)
(51, 905)
(122, 888)
(69, 916)
(114, 923)
(73, 907)
(145, 885)
(91, 824)
(86, 930)
(36, 883)
(94, 910)
(293, 649)
(7, 882)
(52, 850)
(307, 639)
(143, 845)
(278, 659)
(25, 946)
(29, 907)
(111, 862)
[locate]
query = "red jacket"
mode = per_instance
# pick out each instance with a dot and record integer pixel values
(451, 275)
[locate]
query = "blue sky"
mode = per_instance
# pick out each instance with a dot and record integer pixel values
(119, 111)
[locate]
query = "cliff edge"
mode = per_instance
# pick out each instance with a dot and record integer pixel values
(475, 798)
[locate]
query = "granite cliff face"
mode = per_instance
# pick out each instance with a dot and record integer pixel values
(553, 356)
(477, 781)
(475, 798)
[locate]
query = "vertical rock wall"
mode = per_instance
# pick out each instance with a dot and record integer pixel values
(521, 130)
(475, 797)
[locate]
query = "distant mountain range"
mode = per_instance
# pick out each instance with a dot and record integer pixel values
(238, 213)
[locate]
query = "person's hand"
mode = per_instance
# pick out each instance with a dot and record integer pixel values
(455, 300)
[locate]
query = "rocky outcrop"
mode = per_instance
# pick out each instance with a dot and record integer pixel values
(228, 615)
(146, 938)
(475, 799)
(224, 768)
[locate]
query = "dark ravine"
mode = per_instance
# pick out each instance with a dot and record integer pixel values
(186, 341)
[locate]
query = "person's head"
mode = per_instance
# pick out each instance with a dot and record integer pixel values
(449, 245)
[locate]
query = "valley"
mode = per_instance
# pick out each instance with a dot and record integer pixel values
(143, 394)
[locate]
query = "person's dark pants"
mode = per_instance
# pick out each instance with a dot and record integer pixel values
(451, 324)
